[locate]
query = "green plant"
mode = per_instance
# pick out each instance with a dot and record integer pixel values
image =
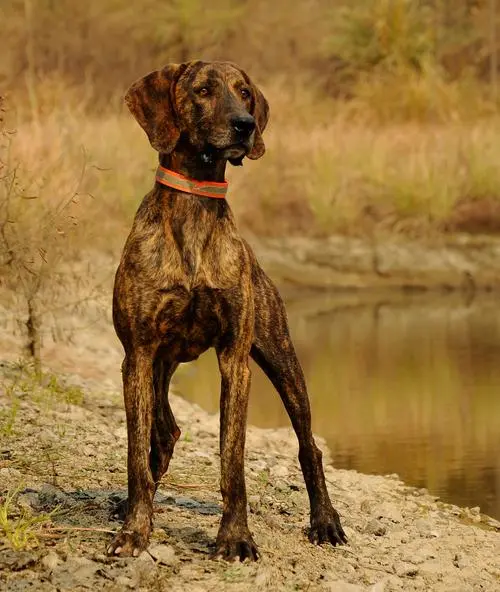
(45, 388)
(233, 574)
(263, 477)
(392, 34)
(19, 528)
(60, 392)
(8, 416)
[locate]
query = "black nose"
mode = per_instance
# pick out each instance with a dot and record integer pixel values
(243, 124)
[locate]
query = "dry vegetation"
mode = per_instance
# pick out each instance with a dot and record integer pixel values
(384, 114)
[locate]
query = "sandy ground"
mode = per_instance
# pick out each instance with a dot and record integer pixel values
(62, 455)
(62, 471)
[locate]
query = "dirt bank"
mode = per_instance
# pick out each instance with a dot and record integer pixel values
(63, 455)
(464, 262)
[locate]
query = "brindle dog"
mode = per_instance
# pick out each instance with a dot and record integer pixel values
(186, 282)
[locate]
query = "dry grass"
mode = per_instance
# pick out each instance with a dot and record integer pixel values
(328, 169)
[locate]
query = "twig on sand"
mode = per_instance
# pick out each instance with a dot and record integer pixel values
(78, 528)
(188, 485)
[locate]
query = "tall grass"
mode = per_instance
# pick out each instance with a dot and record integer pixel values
(99, 45)
(328, 170)
(413, 139)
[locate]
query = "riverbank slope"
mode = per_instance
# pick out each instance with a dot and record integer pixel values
(63, 460)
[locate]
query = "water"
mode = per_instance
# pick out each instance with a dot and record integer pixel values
(407, 385)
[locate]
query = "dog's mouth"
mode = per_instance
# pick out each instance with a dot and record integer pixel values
(235, 151)
(231, 147)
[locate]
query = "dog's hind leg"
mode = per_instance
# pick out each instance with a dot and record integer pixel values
(273, 351)
(165, 432)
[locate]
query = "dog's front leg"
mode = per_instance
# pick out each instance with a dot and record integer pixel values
(234, 539)
(138, 394)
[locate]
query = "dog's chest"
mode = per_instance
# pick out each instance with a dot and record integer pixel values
(211, 260)
(190, 321)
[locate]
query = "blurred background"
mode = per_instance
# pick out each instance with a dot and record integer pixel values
(384, 127)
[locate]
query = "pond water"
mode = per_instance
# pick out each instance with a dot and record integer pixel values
(408, 385)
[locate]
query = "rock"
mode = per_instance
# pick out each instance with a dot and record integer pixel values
(146, 558)
(9, 472)
(282, 486)
(375, 527)
(426, 528)
(124, 582)
(492, 523)
(433, 569)
(402, 569)
(164, 554)
(417, 555)
(473, 514)
(389, 511)
(51, 561)
(279, 471)
(52, 496)
(254, 503)
(16, 560)
(402, 536)
(75, 572)
(411, 507)
(464, 558)
(462, 561)
(28, 500)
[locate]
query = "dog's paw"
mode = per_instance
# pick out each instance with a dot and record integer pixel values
(327, 530)
(127, 543)
(240, 548)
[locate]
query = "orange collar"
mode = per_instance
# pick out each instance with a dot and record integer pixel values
(181, 183)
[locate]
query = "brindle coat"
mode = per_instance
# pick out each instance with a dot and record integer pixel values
(186, 282)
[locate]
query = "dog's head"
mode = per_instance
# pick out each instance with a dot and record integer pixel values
(214, 105)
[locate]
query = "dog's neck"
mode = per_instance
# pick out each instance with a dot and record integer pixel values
(201, 166)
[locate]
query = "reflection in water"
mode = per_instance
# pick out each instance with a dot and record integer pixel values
(409, 387)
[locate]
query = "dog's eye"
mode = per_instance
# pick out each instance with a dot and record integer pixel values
(203, 91)
(245, 93)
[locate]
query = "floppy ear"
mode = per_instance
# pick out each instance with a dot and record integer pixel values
(260, 112)
(151, 101)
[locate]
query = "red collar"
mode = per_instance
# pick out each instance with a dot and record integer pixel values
(181, 183)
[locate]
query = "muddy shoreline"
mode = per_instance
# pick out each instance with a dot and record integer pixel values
(456, 262)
